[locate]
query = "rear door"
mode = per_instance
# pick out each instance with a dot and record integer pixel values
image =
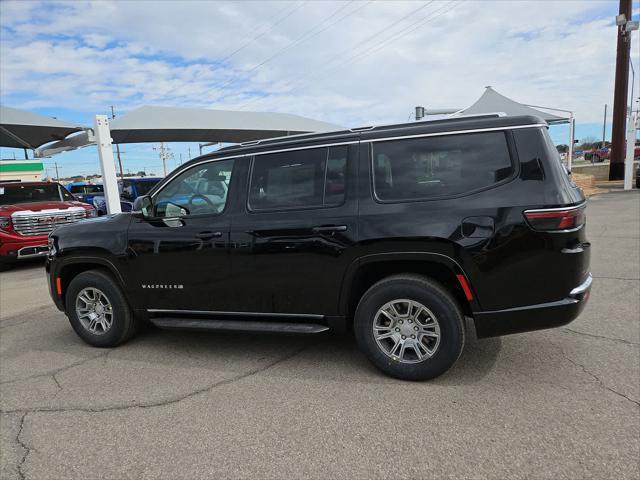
(294, 239)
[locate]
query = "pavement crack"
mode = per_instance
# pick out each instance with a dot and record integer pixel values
(26, 449)
(598, 379)
(612, 339)
(616, 278)
(172, 400)
(52, 373)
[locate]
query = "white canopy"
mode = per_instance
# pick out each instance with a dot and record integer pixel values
(492, 102)
(172, 124)
(22, 129)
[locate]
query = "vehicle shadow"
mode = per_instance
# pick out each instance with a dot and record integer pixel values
(322, 357)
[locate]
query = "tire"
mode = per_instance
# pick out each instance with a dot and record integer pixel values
(439, 305)
(595, 158)
(123, 322)
(4, 266)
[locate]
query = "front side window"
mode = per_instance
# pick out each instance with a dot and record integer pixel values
(197, 191)
(299, 179)
(423, 168)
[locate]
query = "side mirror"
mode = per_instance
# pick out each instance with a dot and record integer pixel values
(143, 207)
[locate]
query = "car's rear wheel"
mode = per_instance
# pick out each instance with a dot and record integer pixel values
(410, 327)
(98, 310)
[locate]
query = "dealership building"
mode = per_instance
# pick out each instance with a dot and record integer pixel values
(21, 170)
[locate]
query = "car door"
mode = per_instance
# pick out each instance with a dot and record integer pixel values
(294, 239)
(180, 255)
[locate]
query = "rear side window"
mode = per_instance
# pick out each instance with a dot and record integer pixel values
(423, 168)
(299, 179)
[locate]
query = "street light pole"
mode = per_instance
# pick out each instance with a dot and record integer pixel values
(604, 125)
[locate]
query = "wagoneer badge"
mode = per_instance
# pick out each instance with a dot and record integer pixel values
(166, 287)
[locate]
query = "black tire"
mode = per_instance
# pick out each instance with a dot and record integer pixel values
(4, 266)
(434, 297)
(595, 158)
(124, 324)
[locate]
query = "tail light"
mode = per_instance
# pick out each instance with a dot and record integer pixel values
(556, 219)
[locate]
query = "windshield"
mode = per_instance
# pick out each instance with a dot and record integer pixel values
(50, 192)
(86, 189)
(144, 186)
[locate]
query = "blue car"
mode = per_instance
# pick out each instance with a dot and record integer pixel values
(130, 189)
(85, 191)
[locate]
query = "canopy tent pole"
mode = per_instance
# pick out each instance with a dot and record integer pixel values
(632, 126)
(572, 137)
(107, 163)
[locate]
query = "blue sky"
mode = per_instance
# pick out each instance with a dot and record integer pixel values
(347, 62)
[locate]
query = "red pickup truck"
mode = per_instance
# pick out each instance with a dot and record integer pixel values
(29, 211)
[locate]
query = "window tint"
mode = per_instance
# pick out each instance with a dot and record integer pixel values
(299, 179)
(200, 190)
(439, 166)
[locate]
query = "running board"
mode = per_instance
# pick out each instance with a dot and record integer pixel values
(237, 325)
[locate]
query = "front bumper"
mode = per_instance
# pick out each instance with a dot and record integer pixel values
(31, 247)
(534, 317)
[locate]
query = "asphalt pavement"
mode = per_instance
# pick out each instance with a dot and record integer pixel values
(561, 403)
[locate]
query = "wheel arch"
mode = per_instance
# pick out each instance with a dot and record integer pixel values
(368, 270)
(74, 266)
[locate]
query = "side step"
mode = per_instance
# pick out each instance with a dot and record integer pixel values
(237, 325)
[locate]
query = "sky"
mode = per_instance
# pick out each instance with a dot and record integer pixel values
(351, 63)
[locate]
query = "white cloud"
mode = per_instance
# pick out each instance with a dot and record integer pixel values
(84, 56)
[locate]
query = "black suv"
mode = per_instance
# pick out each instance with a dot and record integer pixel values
(396, 232)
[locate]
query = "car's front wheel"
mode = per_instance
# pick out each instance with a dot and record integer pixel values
(98, 310)
(410, 327)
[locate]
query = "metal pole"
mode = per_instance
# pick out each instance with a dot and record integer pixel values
(57, 174)
(616, 166)
(572, 136)
(632, 126)
(604, 125)
(26, 155)
(113, 115)
(107, 163)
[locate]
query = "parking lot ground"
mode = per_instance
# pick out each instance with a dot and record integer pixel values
(562, 403)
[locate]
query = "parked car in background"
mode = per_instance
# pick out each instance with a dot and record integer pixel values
(397, 233)
(85, 191)
(28, 213)
(597, 155)
(130, 189)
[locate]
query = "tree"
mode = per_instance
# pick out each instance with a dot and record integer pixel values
(562, 148)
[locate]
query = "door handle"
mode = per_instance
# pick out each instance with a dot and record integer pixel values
(208, 235)
(329, 229)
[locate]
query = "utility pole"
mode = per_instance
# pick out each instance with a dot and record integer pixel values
(604, 125)
(113, 115)
(165, 154)
(616, 167)
(57, 174)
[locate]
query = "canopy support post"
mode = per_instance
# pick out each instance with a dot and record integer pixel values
(107, 163)
(572, 138)
(632, 125)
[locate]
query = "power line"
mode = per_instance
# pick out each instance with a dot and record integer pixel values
(305, 36)
(359, 55)
(297, 7)
(269, 29)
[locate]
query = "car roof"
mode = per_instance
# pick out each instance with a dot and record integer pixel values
(454, 124)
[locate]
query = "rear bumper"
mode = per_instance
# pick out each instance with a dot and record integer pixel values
(534, 317)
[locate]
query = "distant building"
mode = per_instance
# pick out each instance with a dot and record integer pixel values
(21, 170)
